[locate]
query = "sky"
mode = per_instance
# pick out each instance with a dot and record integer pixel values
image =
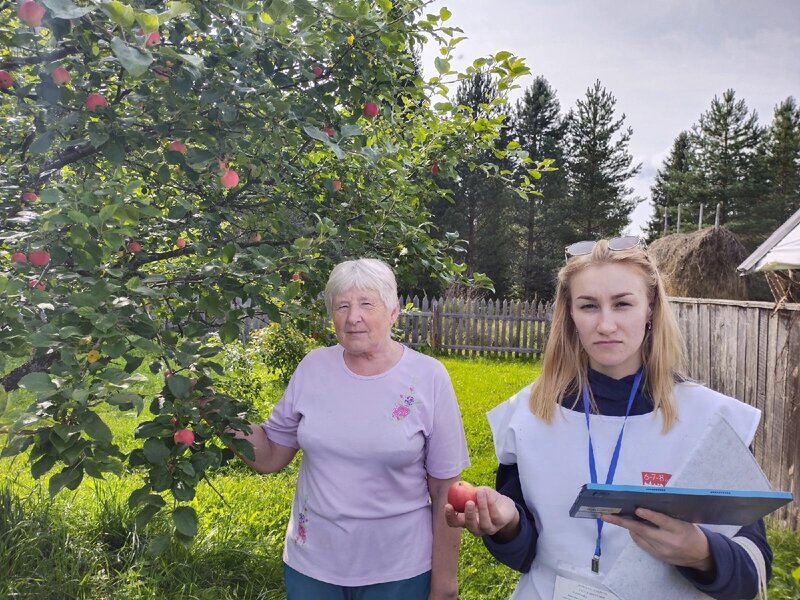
(664, 61)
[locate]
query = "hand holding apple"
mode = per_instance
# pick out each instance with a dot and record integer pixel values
(460, 493)
(491, 514)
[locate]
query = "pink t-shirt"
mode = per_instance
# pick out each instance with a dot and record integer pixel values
(361, 512)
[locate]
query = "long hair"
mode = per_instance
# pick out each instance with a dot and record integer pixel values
(565, 363)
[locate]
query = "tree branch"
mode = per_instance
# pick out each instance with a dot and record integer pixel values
(15, 62)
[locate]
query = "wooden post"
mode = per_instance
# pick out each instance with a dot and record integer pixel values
(700, 220)
(666, 214)
(716, 219)
(679, 218)
(436, 324)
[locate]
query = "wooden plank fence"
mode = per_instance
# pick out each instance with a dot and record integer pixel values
(748, 350)
(473, 327)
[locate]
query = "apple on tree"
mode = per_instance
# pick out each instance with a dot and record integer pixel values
(317, 70)
(229, 179)
(60, 76)
(177, 146)
(336, 185)
(153, 39)
(134, 247)
(180, 243)
(460, 493)
(370, 110)
(19, 257)
(184, 436)
(6, 80)
(95, 100)
(31, 13)
(39, 258)
(29, 197)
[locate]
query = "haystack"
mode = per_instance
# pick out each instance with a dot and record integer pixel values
(701, 264)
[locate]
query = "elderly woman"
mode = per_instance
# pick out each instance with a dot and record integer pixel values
(382, 441)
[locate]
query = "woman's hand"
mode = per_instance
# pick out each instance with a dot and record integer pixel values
(494, 514)
(674, 541)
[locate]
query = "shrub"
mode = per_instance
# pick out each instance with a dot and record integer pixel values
(283, 346)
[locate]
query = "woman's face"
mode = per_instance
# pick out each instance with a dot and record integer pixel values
(362, 322)
(610, 309)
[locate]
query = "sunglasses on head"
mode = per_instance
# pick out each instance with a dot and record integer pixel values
(626, 242)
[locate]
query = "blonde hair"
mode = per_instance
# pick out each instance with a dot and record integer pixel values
(565, 361)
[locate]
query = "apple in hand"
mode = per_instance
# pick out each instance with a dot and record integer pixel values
(459, 493)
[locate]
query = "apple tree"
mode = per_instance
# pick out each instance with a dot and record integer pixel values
(168, 169)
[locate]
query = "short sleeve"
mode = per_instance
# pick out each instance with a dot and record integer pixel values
(447, 452)
(500, 422)
(281, 426)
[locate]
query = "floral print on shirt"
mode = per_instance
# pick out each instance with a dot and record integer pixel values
(402, 408)
(301, 536)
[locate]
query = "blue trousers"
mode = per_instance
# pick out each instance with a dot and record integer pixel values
(302, 587)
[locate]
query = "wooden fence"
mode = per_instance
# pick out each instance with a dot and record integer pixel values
(471, 327)
(751, 351)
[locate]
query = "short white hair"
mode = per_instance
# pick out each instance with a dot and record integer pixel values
(362, 274)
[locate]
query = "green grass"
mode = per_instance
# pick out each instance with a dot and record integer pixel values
(83, 544)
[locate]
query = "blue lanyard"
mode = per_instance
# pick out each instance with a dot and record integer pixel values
(612, 467)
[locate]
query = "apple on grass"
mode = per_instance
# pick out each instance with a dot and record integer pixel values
(460, 493)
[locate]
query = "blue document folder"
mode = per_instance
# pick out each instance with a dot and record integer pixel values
(709, 506)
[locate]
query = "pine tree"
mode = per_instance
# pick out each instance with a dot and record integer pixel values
(783, 161)
(539, 128)
(727, 140)
(675, 185)
(599, 166)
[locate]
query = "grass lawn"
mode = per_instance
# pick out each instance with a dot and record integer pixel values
(83, 544)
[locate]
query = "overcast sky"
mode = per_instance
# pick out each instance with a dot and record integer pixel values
(663, 60)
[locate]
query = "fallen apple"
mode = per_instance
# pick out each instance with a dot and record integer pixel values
(460, 493)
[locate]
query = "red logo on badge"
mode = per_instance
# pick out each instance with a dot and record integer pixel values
(651, 478)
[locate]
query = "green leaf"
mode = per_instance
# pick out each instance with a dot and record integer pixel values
(502, 55)
(68, 478)
(43, 142)
(445, 14)
(229, 332)
(135, 60)
(96, 428)
(38, 383)
(346, 11)
(64, 9)
(147, 20)
(148, 512)
(176, 9)
(156, 451)
(3, 400)
(350, 130)
(179, 385)
(120, 13)
(185, 519)
(316, 133)
(442, 65)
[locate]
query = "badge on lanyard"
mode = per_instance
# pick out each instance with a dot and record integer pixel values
(612, 467)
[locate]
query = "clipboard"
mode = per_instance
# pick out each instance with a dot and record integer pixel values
(695, 505)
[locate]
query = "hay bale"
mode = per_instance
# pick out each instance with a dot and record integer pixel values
(701, 264)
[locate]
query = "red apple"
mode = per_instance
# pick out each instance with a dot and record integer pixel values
(6, 80)
(184, 436)
(134, 247)
(336, 185)
(153, 39)
(60, 76)
(39, 258)
(435, 169)
(29, 197)
(328, 130)
(177, 146)
(370, 110)
(31, 13)
(317, 70)
(19, 257)
(95, 100)
(39, 285)
(229, 179)
(180, 243)
(256, 237)
(459, 493)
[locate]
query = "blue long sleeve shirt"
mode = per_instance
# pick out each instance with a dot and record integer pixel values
(734, 576)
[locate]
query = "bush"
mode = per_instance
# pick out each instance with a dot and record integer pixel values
(283, 347)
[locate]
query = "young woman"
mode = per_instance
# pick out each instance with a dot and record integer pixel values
(382, 441)
(611, 406)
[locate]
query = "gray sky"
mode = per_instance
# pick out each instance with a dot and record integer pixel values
(663, 60)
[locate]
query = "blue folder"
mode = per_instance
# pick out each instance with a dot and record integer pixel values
(708, 506)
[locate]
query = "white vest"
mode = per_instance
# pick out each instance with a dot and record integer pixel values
(553, 462)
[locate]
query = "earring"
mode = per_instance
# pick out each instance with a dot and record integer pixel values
(649, 325)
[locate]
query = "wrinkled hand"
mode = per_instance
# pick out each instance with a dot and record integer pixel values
(674, 541)
(494, 512)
